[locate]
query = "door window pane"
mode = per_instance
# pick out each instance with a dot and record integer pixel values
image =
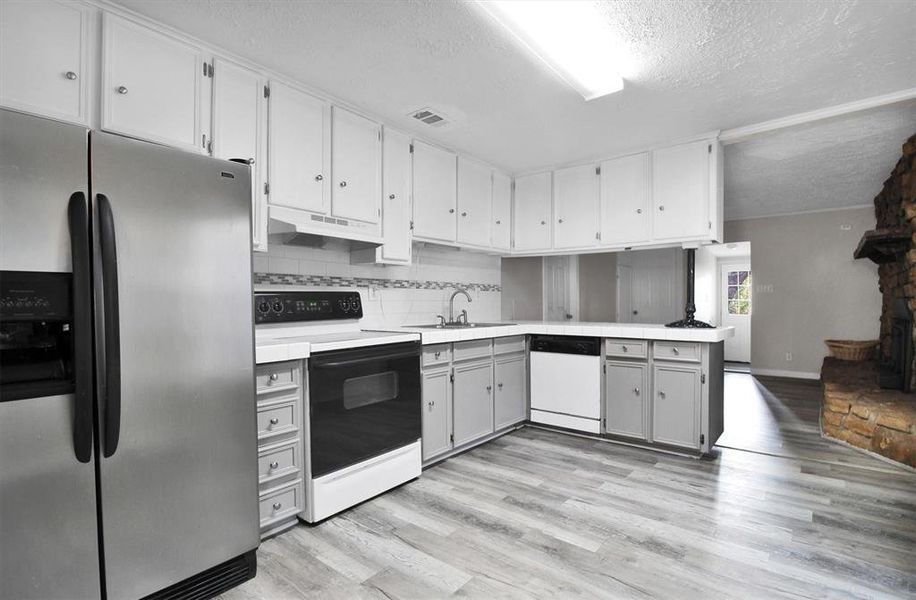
(739, 292)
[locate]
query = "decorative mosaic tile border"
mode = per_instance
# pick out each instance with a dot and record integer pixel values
(365, 282)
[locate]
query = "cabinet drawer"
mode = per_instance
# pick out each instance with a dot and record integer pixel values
(277, 461)
(472, 349)
(437, 354)
(679, 351)
(623, 348)
(280, 503)
(277, 377)
(278, 419)
(506, 345)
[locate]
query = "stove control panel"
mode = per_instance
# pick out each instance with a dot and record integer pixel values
(292, 307)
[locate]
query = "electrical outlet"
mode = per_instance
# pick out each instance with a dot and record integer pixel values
(788, 357)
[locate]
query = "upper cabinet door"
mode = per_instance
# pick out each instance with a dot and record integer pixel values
(434, 192)
(356, 163)
(298, 139)
(150, 85)
(395, 196)
(625, 200)
(475, 198)
(240, 132)
(44, 58)
(502, 207)
(575, 201)
(680, 191)
(532, 212)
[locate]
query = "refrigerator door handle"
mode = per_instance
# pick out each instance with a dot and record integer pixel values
(111, 398)
(78, 221)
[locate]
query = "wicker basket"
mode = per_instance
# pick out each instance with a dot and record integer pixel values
(852, 349)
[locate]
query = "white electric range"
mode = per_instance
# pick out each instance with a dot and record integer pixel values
(361, 400)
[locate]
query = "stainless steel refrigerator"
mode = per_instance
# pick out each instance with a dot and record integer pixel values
(128, 453)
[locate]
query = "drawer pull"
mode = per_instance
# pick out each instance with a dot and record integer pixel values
(274, 377)
(71, 75)
(121, 90)
(438, 354)
(636, 391)
(624, 348)
(278, 505)
(274, 421)
(274, 465)
(675, 351)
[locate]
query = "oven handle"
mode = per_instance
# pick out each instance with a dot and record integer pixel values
(320, 364)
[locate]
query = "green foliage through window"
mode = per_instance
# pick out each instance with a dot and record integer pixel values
(739, 292)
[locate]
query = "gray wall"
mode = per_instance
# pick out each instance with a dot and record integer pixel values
(522, 289)
(598, 287)
(818, 290)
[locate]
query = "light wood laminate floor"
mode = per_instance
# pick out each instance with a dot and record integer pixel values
(537, 514)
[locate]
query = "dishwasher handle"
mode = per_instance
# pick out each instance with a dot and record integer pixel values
(565, 344)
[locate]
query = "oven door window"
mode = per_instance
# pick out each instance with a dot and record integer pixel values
(362, 403)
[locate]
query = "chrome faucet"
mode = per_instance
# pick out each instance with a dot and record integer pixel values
(451, 304)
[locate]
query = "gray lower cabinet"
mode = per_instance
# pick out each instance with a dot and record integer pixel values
(511, 398)
(676, 405)
(626, 391)
(472, 401)
(437, 411)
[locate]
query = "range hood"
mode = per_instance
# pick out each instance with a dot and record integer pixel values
(884, 245)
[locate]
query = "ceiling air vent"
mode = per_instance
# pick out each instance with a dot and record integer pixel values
(430, 117)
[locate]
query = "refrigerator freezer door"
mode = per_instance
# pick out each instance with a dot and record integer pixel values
(179, 491)
(48, 530)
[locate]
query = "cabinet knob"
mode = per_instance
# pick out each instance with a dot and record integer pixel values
(559, 220)
(122, 90)
(624, 348)
(661, 394)
(71, 75)
(250, 161)
(274, 377)
(543, 222)
(636, 391)
(278, 505)
(437, 355)
(499, 385)
(274, 421)
(391, 196)
(464, 214)
(638, 211)
(343, 184)
(489, 388)
(451, 211)
(319, 177)
(498, 222)
(274, 465)
(675, 351)
(431, 403)
(661, 208)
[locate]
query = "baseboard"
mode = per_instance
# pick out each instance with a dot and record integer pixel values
(784, 373)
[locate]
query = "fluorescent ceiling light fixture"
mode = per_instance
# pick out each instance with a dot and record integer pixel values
(571, 37)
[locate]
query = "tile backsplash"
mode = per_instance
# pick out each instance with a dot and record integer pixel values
(392, 294)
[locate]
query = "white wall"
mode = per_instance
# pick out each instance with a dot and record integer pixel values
(658, 284)
(403, 294)
(706, 293)
(807, 286)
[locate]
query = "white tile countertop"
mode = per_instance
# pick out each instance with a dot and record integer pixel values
(640, 331)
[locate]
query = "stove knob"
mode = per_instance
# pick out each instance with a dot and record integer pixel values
(355, 304)
(263, 307)
(277, 306)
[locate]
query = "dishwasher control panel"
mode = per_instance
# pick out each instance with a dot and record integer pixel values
(565, 344)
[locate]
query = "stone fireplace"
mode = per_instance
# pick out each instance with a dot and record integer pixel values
(870, 404)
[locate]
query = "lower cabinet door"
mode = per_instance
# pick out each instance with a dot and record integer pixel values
(511, 397)
(676, 406)
(472, 402)
(437, 431)
(627, 388)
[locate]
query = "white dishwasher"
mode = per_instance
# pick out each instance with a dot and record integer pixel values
(566, 382)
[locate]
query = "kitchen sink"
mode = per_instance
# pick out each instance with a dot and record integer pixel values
(460, 325)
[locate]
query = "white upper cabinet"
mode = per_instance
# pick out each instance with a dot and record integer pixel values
(299, 137)
(395, 197)
(532, 212)
(680, 191)
(151, 85)
(434, 192)
(239, 131)
(625, 200)
(575, 201)
(356, 163)
(44, 58)
(502, 211)
(475, 198)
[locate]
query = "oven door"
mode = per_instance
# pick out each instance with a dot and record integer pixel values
(362, 403)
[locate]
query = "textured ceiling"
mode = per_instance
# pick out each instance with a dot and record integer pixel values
(834, 163)
(690, 66)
